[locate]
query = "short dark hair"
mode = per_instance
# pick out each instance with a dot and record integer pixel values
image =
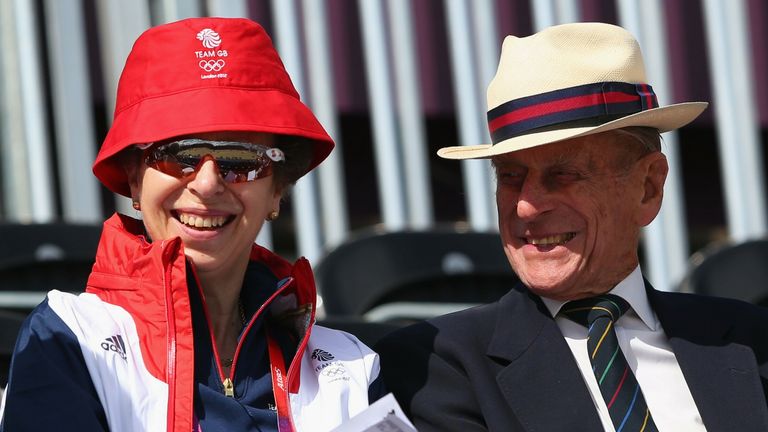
(298, 155)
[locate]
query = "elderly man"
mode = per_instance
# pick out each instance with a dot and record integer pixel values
(584, 343)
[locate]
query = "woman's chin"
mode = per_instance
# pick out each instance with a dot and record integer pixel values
(205, 261)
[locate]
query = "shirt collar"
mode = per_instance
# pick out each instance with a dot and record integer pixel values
(631, 289)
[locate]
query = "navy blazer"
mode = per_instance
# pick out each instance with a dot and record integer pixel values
(505, 366)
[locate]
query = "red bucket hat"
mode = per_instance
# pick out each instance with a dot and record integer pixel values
(203, 75)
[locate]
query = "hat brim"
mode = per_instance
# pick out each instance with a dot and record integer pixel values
(664, 119)
(247, 110)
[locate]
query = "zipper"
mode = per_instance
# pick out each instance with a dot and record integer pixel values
(171, 341)
(228, 382)
(227, 385)
(295, 363)
(231, 379)
(229, 388)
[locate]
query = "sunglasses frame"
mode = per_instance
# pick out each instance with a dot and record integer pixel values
(157, 157)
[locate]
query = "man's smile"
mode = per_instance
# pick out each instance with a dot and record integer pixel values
(551, 240)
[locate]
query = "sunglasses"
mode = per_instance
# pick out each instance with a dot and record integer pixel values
(237, 162)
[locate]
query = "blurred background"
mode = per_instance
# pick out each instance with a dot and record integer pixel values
(395, 233)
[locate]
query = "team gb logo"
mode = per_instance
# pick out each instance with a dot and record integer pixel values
(210, 38)
(211, 59)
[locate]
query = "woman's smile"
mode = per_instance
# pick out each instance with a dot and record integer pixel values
(203, 222)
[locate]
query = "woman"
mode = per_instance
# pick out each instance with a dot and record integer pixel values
(186, 324)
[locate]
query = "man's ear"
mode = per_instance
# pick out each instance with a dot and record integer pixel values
(654, 168)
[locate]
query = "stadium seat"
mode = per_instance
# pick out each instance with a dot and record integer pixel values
(10, 323)
(402, 277)
(35, 258)
(368, 332)
(737, 271)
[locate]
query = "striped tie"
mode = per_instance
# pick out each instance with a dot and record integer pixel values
(620, 390)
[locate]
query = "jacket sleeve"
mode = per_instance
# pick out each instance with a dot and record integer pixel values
(434, 393)
(376, 389)
(49, 387)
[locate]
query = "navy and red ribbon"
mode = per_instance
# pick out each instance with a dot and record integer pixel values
(598, 102)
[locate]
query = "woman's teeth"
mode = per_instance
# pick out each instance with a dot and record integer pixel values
(552, 240)
(202, 221)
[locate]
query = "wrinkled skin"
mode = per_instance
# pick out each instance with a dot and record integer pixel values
(570, 213)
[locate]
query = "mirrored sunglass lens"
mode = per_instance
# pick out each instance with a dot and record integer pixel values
(170, 166)
(236, 164)
(240, 171)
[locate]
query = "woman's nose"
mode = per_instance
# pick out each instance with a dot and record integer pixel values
(207, 180)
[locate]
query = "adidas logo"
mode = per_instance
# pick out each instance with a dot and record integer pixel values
(115, 344)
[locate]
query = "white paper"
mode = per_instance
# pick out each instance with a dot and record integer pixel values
(384, 415)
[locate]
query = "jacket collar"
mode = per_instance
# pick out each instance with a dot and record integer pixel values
(722, 374)
(127, 261)
(527, 337)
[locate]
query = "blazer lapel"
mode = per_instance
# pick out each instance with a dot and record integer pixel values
(722, 376)
(542, 383)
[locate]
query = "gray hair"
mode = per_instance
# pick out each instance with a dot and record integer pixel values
(648, 137)
(638, 141)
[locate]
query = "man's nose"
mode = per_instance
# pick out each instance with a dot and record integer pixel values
(534, 199)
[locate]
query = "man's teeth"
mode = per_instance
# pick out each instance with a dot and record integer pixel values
(552, 240)
(202, 221)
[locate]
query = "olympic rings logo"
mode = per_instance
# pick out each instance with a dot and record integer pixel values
(334, 371)
(212, 65)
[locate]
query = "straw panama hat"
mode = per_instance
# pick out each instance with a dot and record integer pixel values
(568, 81)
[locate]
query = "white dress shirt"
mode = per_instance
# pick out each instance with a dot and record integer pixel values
(649, 355)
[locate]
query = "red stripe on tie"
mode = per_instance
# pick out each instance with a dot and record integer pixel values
(559, 106)
(621, 383)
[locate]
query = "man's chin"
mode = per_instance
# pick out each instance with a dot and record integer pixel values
(554, 288)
